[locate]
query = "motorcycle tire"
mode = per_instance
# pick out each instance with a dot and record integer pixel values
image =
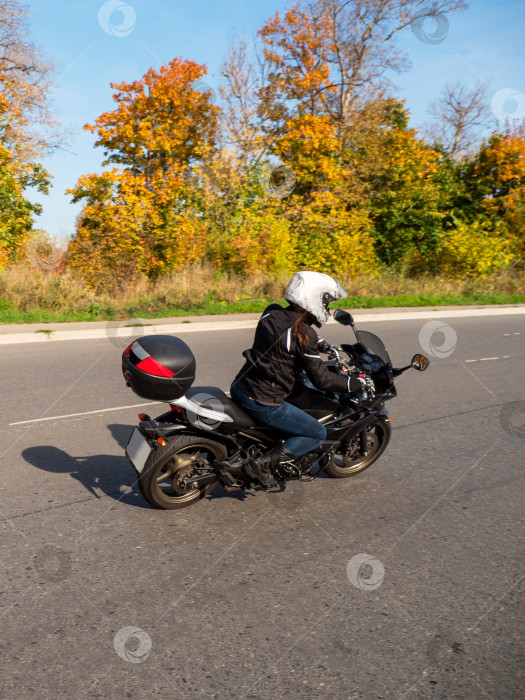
(166, 465)
(341, 466)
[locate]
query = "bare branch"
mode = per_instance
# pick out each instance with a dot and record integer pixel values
(459, 116)
(25, 83)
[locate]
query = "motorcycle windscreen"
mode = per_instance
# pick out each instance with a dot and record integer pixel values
(374, 345)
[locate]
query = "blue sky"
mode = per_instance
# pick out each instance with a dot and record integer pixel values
(485, 42)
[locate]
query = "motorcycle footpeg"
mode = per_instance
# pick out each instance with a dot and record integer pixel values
(232, 487)
(229, 482)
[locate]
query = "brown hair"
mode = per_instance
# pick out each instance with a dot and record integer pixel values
(300, 330)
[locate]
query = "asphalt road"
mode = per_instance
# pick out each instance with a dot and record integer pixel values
(259, 598)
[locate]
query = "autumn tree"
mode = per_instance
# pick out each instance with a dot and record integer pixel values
(315, 95)
(313, 101)
(496, 183)
(161, 123)
(26, 79)
(141, 218)
(16, 211)
(322, 57)
(26, 128)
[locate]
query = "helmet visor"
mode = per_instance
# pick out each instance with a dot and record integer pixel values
(341, 294)
(333, 295)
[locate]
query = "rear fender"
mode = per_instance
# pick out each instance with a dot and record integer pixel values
(162, 427)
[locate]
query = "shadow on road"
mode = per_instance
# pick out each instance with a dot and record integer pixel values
(110, 474)
(120, 433)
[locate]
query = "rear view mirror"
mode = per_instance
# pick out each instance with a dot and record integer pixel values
(343, 317)
(419, 362)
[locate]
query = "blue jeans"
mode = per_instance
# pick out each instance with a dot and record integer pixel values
(307, 431)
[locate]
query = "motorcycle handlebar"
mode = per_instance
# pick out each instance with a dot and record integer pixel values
(328, 349)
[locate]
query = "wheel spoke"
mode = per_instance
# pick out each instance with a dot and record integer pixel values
(168, 489)
(164, 475)
(351, 461)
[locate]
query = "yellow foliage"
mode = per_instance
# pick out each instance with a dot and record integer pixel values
(330, 238)
(475, 249)
(259, 240)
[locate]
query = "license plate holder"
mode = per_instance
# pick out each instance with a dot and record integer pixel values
(138, 450)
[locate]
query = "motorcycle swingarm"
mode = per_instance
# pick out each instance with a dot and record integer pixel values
(197, 482)
(228, 481)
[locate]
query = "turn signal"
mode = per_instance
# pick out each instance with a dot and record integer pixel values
(142, 416)
(161, 442)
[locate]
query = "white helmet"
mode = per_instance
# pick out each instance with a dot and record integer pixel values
(313, 291)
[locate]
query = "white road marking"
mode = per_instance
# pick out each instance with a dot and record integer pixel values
(481, 359)
(99, 410)
(86, 413)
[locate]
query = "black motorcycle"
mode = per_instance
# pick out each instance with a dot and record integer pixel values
(206, 438)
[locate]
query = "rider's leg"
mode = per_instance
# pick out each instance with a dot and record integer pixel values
(260, 468)
(307, 433)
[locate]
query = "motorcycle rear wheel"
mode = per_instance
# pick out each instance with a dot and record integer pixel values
(341, 466)
(158, 482)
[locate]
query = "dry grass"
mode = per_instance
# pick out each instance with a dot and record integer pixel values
(397, 284)
(32, 294)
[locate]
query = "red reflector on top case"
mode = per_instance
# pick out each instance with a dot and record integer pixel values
(128, 349)
(151, 366)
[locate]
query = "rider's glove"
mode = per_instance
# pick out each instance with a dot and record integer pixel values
(354, 385)
(323, 346)
(366, 383)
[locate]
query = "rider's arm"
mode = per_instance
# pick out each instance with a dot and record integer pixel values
(317, 372)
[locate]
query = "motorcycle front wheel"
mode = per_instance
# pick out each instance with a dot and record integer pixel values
(349, 462)
(161, 482)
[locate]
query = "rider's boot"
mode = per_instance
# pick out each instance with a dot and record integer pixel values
(260, 467)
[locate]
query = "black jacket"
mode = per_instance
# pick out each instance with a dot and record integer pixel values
(268, 374)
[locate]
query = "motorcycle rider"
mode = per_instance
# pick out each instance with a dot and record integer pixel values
(284, 344)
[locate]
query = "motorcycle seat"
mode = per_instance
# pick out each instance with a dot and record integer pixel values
(208, 396)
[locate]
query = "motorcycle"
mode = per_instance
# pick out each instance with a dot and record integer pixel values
(206, 438)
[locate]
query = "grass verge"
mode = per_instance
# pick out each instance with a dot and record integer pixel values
(34, 296)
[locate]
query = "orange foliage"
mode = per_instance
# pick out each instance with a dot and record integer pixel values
(500, 175)
(295, 48)
(140, 221)
(160, 122)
